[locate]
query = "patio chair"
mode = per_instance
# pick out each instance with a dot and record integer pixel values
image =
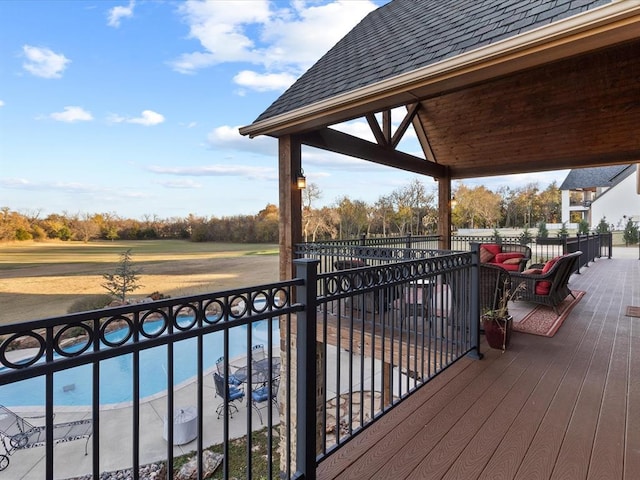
(548, 284)
(260, 398)
(17, 433)
(233, 380)
(228, 393)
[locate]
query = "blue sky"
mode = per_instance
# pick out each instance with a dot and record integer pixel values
(133, 107)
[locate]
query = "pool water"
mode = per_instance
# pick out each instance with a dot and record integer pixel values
(73, 387)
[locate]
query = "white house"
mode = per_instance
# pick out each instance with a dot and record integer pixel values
(611, 192)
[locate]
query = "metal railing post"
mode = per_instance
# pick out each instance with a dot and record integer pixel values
(306, 369)
(474, 320)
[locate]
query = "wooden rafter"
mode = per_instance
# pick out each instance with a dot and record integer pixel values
(339, 142)
(383, 135)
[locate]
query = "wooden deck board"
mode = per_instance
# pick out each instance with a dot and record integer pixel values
(632, 444)
(565, 407)
(607, 455)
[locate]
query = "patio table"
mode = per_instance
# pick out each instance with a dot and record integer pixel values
(259, 371)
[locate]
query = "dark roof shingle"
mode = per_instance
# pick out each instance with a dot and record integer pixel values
(593, 177)
(405, 35)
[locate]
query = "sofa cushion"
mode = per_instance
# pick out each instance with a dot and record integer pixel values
(510, 267)
(549, 264)
(485, 255)
(543, 288)
(503, 256)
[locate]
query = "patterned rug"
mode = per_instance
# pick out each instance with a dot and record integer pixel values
(542, 320)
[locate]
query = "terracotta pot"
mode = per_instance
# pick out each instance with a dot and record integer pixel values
(498, 331)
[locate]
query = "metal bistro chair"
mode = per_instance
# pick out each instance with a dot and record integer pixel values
(18, 434)
(228, 393)
(233, 380)
(262, 397)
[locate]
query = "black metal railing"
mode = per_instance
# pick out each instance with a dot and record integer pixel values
(376, 333)
(351, 344)
(251, 315)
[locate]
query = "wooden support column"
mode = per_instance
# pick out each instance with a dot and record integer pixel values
(444, 212)
(289, 164)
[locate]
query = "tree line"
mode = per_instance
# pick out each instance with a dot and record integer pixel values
(410, 209)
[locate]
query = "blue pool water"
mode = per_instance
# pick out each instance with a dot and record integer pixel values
(73, 386)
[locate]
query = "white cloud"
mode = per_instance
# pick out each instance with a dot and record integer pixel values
(264, 173)
(72, 114)
(181, 184)
(1, 103)
(118, 13)
(43, 62)
(264, 82)
(287, 39)
(146, 118)
(227, 137)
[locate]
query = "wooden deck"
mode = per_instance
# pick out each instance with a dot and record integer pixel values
(566, 407)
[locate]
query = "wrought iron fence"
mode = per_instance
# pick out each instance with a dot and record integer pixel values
(193, 331)
(345, 346)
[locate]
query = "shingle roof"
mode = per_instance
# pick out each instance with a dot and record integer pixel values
(405, 35)
(595, 177)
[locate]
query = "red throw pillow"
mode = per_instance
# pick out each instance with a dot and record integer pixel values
(485, 255)
(501, 257)
(549, 264)
(513, 261)
(492, 247)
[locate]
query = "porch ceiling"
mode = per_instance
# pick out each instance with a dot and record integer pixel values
(579, 112)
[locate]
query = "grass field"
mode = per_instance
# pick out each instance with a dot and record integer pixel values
(42, 279)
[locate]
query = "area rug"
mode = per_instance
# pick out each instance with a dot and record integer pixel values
(543, 320)
(633, 311)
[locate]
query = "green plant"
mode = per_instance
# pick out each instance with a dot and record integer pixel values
(496, 235)
(125, 278)
(542, 230)
(603, 226)
(630, 234)
(498, 319)
(506, 295)
(563, 230)
(583, 227)
(525, 237)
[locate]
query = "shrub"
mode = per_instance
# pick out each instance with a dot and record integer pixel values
(563, 230)
(525, 237)
(542, 230)
(630, 234)
(496, 235)
(603, 226)
(583, 227)
(90, 302)
(22, 234)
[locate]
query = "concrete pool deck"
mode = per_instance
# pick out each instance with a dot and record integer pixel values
(116, 435)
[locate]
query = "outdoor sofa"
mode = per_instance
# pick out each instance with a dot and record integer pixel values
(548, 283)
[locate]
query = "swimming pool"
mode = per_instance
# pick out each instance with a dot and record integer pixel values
(73, 387)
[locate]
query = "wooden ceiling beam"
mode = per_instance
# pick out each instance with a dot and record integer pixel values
(339, 142)
(412, 111)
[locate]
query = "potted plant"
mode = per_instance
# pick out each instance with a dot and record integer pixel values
(497, 323)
